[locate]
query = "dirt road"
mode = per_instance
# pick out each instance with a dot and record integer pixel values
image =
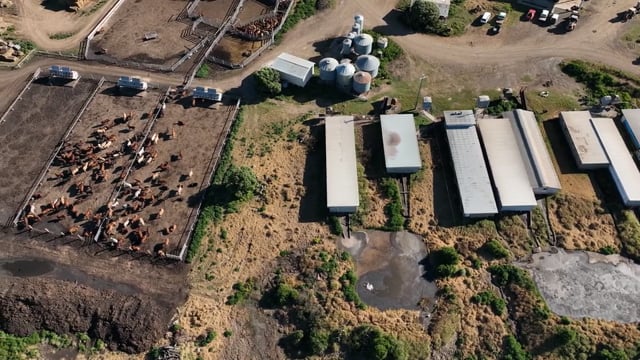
(595, 39)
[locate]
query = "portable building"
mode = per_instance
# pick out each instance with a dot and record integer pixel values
(400, 143)
(507, 164)
(583, 140)
(631, 121)
(623, 169)
(542, 173)
(342, 176)
(294, 70)
(474, 185)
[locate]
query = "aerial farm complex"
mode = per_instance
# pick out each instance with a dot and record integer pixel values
(275, 179)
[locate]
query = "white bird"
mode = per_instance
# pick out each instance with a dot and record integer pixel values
(126, 223)
(137, 193)
(127, 185)
(142, 222)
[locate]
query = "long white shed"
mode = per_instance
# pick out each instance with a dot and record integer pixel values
(583, 140)
(507, 164)
(623, 169)
(400, 143)
(342, 174)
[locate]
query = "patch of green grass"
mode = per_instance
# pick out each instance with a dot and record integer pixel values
(348, 281)
(206, 339)
(61, 36)
(335, 226)
(497, 304)
(459, 18)
(602, 80)
(633, 34)
(548, 107)
(393, 209)
(242, 290)
(94, 8)
(629, 231)
(203, 71)
(496, 249)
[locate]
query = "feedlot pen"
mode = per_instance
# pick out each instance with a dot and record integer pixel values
(29, 135)
(129, 174)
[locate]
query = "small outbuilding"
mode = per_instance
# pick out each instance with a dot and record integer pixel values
(342, 175)
(623, 169)
(400, 142)
(583, 140)
(294, 70)
(507, 165)
(631, 121)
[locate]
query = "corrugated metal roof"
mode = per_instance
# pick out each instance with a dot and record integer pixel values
(623, 169)
(471, 172)
(632, 116)
(507, 166)
(459, 118)
(292, 65)
(342, 176)
(542, 172)
(583, 138)
(400, 142)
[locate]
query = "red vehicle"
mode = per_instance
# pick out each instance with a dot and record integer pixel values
(531, 14)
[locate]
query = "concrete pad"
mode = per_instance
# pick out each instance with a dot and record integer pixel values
(584, 284)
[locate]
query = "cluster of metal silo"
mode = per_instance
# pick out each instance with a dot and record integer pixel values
(356, 77)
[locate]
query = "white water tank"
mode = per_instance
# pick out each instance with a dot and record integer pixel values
(356, 28)
(361, 82)
(368, 63)
(382, 42)
(344, 75)
(327, 68)
(363, 44)
(483, 102)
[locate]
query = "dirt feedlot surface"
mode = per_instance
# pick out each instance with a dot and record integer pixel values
(29, 136)
(188, 139)
(123, 35)
(583, 284)
(105, 111)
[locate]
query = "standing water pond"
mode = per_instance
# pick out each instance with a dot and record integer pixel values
(390, 275)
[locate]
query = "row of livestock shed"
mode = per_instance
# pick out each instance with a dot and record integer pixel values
(596, 143)
(401, 154)
(518, 162)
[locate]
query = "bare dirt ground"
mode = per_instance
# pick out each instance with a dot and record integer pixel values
(251, 10)
(76, 288)
(232, 49)
(30, 134)
(123, 36)
(583, 284)
(38, 23)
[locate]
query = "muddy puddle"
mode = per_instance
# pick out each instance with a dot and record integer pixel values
(584, 284)
(30, 267)
(388, 266)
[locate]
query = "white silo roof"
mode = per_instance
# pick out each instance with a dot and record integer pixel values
(367, 62)
(328, 64)
(345, 69)
(363, 40)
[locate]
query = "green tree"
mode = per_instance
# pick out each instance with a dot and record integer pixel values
(268, 81)
(512, 350)
(424, 16)
(241, 183)
(607, 353)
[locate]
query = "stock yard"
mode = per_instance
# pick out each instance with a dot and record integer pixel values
(123, 37)
(29, 135)
(129, 176)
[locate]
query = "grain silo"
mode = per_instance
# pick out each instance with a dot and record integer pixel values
(328, 70)
(356, 28)
(361, 82)
(363, 44)
(346, 46)
(344, 74)
(368, 63)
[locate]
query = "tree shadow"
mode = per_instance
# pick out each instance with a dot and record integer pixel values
(56, 5)
(312, 207)
(394, 25)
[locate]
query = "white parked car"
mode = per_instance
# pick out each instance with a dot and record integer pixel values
(485, 17)
(544, 15)
(501, 17)
(554, 18)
